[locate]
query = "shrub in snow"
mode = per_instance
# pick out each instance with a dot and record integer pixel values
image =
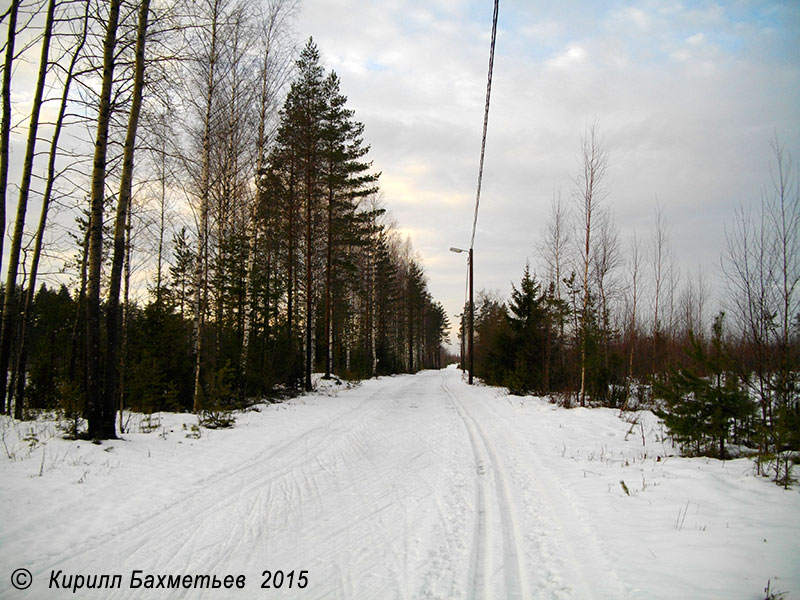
(705, 405)
(218, 400)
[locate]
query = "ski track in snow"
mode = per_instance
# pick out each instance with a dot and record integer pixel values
(409, 487)
(546, 543)
(492, 506)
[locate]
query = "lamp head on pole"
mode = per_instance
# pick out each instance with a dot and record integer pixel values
(460, 250)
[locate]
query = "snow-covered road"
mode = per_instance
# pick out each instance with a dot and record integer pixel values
(403, 487)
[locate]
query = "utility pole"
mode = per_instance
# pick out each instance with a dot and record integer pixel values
(470, 318)
(478, 194)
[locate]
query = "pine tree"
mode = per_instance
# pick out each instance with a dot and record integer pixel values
(702, 403)
(347, 182)
(299, 153)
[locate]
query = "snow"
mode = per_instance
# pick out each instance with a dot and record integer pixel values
(401, 487)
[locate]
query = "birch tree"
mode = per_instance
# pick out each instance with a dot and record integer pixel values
(45, 209)
(634, 287)
(8, 322)
(100, 410)
(762, 278)
(205, 62)
(590, 193)
(554, 247)
(659, 255)
(5, 124)
(606, 260)
(274, 67)
(123, 206)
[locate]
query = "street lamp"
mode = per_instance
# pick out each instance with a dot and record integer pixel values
(471, 310)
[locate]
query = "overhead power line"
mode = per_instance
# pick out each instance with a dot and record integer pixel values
(485, 122)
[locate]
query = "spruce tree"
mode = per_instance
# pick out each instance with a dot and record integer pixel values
(181, 272)
(527, 320)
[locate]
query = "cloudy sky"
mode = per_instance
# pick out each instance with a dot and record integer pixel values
(687, 96)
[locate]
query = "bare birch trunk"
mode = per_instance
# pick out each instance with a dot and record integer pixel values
(594, 163)
(121, 220)
(123, 353)
(8, 325)
(659, 249)
(635, 265)
(81, 309)
(5, 126)
(201, 270)
(253, 237)
(47, 196)
(273, 24)
(101, 424)
(161, 227)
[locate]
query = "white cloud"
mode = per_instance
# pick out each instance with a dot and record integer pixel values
(698, 39)
(631, 17)
(573, 55)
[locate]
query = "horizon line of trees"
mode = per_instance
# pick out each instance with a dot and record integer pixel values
(194, 150)
(610, 322)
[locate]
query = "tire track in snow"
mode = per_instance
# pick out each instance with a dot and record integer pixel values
(491, 507)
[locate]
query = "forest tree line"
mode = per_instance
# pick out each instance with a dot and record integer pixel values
(187, 146)
(609, 321)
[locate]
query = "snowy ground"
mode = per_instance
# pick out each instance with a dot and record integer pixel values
(402, 487)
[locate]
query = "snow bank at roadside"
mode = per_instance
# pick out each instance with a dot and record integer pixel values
(673, 527)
